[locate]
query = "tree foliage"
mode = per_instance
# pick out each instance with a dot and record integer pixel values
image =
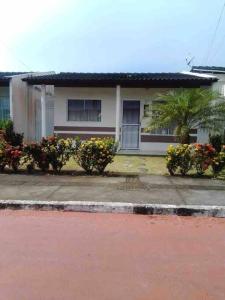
(188, 109)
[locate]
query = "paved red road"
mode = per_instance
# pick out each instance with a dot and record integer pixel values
(55, 255)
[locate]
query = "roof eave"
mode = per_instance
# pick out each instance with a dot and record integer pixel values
(211, 70)
(131, 84)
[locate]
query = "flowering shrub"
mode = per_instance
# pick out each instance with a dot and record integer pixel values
(13, 156)
(11, 146)
(199, 156)
(10, 136)
(216, 140)
(203, 155)
(50, 151)
(96, 154)
(10, 156)
(58, 151)
(35, 156)
(3, 161)
(179, 158)
(218, 163)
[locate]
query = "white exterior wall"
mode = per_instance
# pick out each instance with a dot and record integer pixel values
(108, 110)
(24, 104)
(19, 104)
(219, 87)
(34, 114)
(107, 95)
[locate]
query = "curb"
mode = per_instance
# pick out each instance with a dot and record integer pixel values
(115, 207)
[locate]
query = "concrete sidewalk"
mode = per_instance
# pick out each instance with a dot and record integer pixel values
(130, 189)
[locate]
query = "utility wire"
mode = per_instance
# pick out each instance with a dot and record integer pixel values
(219, 48)
(215, 33)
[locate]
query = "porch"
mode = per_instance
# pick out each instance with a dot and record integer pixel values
(107, 112)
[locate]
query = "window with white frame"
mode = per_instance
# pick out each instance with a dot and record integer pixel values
(160, 131)
(84, 110)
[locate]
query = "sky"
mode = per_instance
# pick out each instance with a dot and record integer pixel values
(110, 35)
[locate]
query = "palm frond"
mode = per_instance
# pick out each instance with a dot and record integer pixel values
(188, 108)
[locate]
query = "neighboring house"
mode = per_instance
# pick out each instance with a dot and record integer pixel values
(218, 86)
(107, 104)
(218, 72)
(22, 103)
(6, 93)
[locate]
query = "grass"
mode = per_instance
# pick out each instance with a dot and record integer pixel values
(139, 164)
(135, 164)
(131, 164)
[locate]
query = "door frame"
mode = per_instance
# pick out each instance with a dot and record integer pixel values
(139, 133)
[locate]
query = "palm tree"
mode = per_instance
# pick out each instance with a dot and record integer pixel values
(187, 109)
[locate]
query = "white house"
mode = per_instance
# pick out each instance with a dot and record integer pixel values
(96, 105)
(112, 105)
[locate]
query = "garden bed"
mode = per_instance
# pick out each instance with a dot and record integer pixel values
(121, 166)
(97, 156)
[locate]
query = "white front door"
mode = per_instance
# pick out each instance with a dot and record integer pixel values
(131, 124)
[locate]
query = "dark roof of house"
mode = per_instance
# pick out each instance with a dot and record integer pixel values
(208, 69)
(123, 79)
(5, 76)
